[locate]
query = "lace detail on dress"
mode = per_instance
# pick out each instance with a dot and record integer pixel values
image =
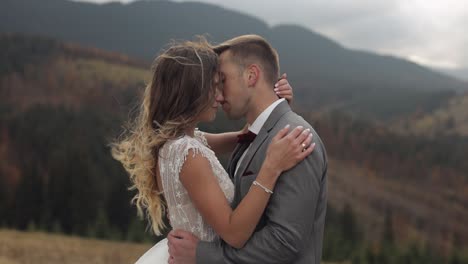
(200, 135)
(182, 212)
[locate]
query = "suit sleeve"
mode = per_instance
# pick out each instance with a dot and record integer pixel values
(289, 219)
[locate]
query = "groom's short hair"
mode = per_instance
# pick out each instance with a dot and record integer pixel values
(248, 49)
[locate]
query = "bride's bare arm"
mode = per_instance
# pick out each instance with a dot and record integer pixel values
(236, 226)
(222, 143)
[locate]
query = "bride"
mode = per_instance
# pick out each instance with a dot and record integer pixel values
(173, 166)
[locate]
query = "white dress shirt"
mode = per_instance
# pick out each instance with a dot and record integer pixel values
(258, 124)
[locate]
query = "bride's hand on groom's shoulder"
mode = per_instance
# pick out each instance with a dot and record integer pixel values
(283, 89)
(288, 149)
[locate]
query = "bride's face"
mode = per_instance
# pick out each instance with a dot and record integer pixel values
(209, 114)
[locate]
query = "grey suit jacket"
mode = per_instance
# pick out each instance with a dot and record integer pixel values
(291, 228)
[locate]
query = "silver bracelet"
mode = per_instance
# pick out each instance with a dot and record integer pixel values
(256, 183)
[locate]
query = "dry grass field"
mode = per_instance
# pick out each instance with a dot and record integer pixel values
(41, 248)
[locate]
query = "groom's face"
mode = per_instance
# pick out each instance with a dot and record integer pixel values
(235, 93)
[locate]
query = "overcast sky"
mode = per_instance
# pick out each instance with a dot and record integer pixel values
(429, 32)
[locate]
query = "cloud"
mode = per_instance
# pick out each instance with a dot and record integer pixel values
(429, 32)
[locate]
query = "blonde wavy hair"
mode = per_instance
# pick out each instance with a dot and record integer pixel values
(180, 89)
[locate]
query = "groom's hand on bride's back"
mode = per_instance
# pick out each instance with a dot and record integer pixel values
(182, 247)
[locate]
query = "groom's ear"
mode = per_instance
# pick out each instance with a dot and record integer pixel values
(253, 74)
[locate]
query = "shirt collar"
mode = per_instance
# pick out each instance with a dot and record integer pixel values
(262, 118)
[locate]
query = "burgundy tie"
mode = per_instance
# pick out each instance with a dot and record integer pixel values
(246, 137)
(244, 141)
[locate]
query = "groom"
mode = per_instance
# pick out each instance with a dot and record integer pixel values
(291, 228)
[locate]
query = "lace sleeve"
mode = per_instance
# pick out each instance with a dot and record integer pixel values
(177, 152)
(200, 135)
(182, 213)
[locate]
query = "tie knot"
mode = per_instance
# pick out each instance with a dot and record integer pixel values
(246, 137)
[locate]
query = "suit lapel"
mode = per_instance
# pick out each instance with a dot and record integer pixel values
(251, 152)
(231, 168)
(275, 115)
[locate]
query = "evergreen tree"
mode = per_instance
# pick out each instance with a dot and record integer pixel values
(388, 239)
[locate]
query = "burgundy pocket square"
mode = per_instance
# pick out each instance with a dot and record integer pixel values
(247, 173)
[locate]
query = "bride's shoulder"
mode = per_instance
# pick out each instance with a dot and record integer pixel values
(184, 142)
(200, 136)
(176, 142)
(176, 151)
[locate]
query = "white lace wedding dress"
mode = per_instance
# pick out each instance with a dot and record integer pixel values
(182, 213)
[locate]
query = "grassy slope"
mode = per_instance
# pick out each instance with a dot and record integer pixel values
(23, 247)
(449, 119)
(72, 82)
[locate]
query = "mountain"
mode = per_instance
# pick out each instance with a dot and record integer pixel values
(460, 73)
(325, 75)
(61, 104)
(418, 182)
(35, 70)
